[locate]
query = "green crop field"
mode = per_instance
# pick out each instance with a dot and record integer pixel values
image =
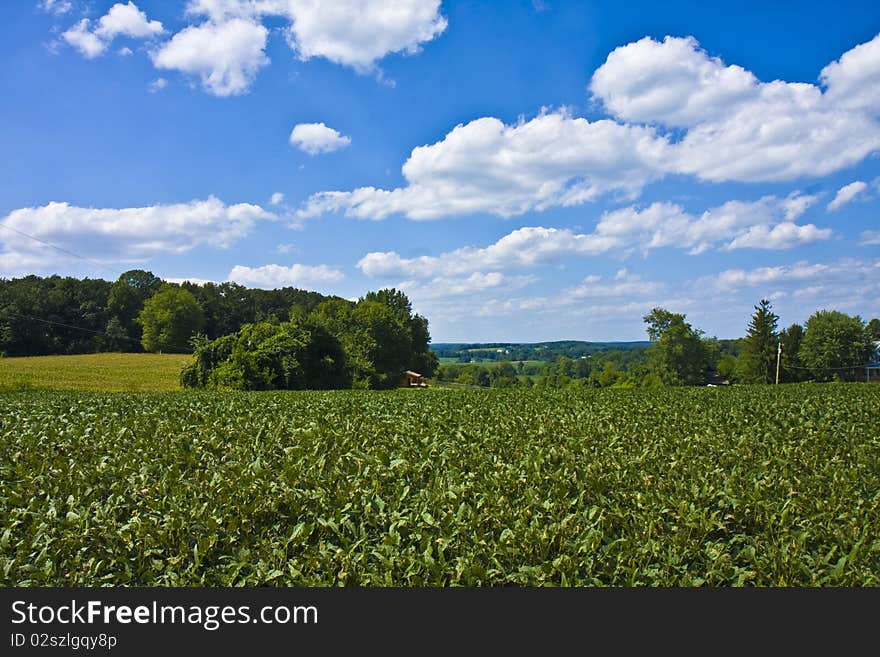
(100, 372)
(671, 487)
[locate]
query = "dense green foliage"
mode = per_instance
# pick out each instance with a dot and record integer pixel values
(835, 345)
(368, 344)
(792, 367)
(264, 356)
(751, 485)
(55, 315)
(678, 355)
(170, 319)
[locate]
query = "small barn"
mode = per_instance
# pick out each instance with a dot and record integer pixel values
(410, 379)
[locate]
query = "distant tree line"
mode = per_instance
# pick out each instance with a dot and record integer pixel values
(830, 346)
(242, 338)
(64, 315)
(542, 351)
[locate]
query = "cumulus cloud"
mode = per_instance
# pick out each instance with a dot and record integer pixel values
(522, 248)
(121, 20)
(795, 204)
(487, 166)
(127, 20)
(846, 194)
(853, 81)
(84, 40)
(677, 110)
(314, 138)
(275, 276)
(228, 48)
(276, 199)
(761, 224)
(736, 127)
(226, 56)
(125, 234)
(356, 33)
(781, 236)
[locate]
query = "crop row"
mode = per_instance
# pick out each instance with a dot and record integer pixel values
(669, 487)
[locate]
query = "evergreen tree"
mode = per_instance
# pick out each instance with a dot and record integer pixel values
(757, 362)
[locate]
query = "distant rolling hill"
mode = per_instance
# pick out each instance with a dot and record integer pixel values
(528, 350)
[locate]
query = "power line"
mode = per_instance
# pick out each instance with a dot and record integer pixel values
(56, 247)
(71, 326)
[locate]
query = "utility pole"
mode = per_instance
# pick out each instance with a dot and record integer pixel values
(778, 359)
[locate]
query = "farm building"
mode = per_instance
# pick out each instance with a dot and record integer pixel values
(410, 379)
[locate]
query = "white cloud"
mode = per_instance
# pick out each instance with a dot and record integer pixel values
(487, 166)
(677, 111)
(731, 279)
(158, 84)
(275, 276)
(121, 20)
(523, 247)
(56, 7)
(357, 33)
(476, 284)
(672, 82)
(125, 51)
(353, 33)
(761, 224)
(736, 127)
(781, 236)
(226, 56)
(846, 194)
(853, 81)
(127, 20)
(314, 138)
(795, 204)
(125, 234)
(870, 238)
(623, 285)
(276, 199)
(849, 285)
(80, 37)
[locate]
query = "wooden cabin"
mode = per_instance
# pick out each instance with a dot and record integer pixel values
(410, 379)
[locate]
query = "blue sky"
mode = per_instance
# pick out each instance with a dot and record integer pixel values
(523, 170)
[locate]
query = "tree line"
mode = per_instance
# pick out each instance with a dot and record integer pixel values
(65, 315)
(829, 346)
(241, 338)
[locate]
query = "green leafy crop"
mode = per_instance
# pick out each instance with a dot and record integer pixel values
(766, 486)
